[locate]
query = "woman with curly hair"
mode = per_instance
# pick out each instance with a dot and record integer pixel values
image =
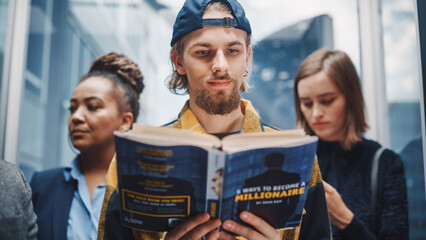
(68, 200)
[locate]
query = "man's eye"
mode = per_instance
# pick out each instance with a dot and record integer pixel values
(202, 52)
(233, 51)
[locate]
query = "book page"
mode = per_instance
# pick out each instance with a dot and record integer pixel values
(282, 138)
(166, 136)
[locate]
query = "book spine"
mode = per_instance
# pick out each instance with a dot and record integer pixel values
(216, 162)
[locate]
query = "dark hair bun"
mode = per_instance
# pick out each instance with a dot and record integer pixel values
(123, 67)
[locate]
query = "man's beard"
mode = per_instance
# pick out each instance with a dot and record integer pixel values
(219, 103)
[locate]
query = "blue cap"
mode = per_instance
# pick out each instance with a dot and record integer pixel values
(190, 18)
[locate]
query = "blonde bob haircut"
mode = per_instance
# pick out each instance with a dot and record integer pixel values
(340, 69)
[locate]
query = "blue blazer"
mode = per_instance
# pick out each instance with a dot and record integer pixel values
(52, 197)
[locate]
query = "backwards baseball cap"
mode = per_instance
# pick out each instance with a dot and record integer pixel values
(190, 18)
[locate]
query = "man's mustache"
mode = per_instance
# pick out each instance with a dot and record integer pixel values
(213, 77)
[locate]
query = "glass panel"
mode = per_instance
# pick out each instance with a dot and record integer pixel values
(64, 38)
(403, 97)
(284, 33)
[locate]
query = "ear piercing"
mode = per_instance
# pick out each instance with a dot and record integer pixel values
(245, 73)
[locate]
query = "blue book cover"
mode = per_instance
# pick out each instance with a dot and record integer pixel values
(167, 175)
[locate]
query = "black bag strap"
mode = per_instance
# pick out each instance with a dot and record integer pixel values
(374, 172)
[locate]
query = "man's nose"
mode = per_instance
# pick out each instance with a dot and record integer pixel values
(220, 63)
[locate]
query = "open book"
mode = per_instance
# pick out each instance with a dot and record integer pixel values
(166, 175)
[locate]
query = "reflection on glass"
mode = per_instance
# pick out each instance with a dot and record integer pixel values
(403, 96)
(64, 38)
(276, 60)
(284, 33)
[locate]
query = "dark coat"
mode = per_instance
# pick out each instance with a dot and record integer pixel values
(350, 173)
(52, 197)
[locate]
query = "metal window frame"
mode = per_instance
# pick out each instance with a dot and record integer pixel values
(420, 20)
(5, 80)
(13, 77)
(373, 70)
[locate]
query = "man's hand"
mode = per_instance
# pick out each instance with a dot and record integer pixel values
(263, 229)
(195, 228)
(340, 215)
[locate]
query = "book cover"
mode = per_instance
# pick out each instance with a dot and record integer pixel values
(166, 175)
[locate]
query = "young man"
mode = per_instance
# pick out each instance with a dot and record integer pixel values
(211, 53)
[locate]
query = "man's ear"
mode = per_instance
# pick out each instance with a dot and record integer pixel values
(177, 62)
(126, 121)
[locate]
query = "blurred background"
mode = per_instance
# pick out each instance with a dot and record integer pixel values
(46, 45)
